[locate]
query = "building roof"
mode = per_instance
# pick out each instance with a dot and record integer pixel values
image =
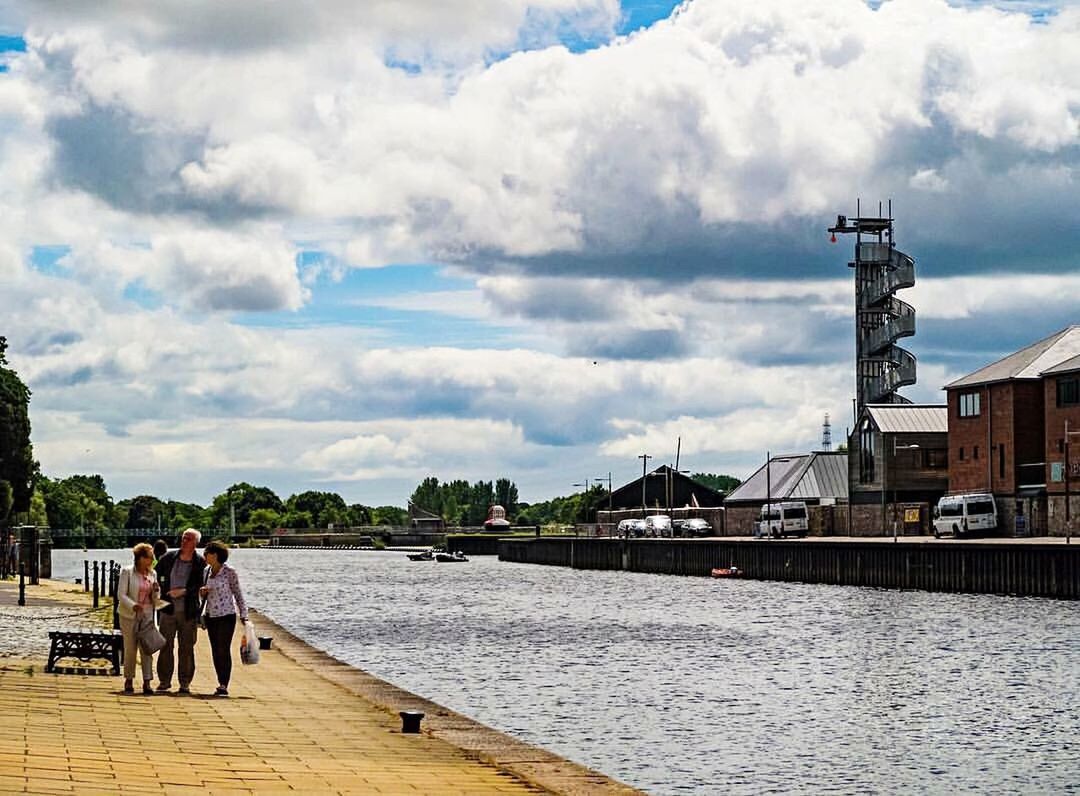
(1027, 363)
(683, 490)
(909, 418)
(806, 476)
(1068, 366)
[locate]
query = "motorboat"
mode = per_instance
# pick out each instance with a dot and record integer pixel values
(727, 572)
(425, 555)
(446, 558)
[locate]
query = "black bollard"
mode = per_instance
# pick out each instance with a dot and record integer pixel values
(86, 575)
(95, 584)
(410, 720)
(265, 642)
(22, 584)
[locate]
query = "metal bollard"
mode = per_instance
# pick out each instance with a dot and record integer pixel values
(95, 584)
(22, 584)
(86, 575)
(410, 720)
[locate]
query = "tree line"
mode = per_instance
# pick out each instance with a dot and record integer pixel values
(82, 503)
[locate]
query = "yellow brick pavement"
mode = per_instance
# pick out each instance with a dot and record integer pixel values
(286, 727)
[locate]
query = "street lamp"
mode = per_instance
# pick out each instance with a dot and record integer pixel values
(600, 480)
(584, 496)
(895, 448)
(644, 468)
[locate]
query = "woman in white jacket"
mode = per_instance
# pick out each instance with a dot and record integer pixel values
(138, 594)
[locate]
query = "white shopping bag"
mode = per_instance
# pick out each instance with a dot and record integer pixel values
(249, 651)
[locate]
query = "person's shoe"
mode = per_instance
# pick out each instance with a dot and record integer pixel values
(184, 690)
(147, 688)
(128, 687)
(164, 687)
(221, 691)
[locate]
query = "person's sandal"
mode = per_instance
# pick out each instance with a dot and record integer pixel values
(128, 687)
(221, 691)
(147, 688)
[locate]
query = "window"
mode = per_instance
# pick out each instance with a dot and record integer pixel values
(975, 452)
(961, 454)
(935, 459)
(866, 453)
(1068, 391)
(969, 404)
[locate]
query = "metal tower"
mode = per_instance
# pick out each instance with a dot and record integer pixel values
(826, 434)
(881, 366)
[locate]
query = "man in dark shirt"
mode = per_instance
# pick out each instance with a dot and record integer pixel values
(180, 574)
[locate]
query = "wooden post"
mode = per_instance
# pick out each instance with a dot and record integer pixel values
(22, 583)
(86, 575)
(95, 584)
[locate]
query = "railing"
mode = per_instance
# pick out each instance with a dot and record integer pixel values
(901, 325)
(900, 373)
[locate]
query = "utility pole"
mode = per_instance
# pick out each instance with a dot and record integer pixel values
(644, 468)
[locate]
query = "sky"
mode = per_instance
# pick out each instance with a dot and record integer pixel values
(345, 246)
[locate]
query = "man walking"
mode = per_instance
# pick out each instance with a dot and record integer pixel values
(180, 573)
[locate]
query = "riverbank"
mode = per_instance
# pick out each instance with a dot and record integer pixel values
(299, 720)
(1021, 567)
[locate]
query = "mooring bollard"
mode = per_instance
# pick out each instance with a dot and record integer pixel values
(22, 584)
(95, 584)
(410, 720)
(265, 642)
(86, 575)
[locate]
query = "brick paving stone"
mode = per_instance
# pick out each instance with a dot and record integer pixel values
(287, 727)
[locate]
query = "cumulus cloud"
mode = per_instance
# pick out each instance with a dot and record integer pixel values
(654, 205)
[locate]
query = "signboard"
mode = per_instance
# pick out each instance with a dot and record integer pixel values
(1057, 472)
(911, 515)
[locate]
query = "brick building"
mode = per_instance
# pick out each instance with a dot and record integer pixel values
(898, 467)
(1007, 424)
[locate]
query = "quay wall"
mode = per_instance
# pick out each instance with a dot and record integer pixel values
(1028, 569)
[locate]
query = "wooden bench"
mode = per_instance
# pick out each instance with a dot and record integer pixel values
(86, 645)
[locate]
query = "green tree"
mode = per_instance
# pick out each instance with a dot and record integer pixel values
(145, 511)
(262, 520)
(359, 514)
(297, 519)
(245, 499)
(389, 515)
(6, 500)
(325, 508)
(721, 483)
(506, 495)
(16, 453)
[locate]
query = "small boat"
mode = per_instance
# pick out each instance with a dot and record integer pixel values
(727, 572)
(446, 558)
(426, 555)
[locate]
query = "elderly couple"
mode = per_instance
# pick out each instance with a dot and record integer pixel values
(182, 585)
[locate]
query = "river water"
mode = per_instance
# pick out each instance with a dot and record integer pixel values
(691, 685)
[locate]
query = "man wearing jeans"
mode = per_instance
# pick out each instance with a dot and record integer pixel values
(180, 573)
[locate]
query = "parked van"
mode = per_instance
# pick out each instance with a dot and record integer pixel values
(965, 514)
(789, 518)
(658, 525)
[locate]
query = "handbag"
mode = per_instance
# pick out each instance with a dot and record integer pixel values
(149, 637)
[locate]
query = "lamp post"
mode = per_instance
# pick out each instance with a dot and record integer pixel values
(895, 448)
(584, 495)
(644, 468)
(600, 480)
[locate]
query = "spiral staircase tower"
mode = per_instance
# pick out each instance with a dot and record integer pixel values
(881, 366)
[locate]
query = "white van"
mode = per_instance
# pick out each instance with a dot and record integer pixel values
(658, 525)
(964, 514)
(783, 519)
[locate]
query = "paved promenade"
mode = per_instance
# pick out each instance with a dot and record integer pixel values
(298, 721)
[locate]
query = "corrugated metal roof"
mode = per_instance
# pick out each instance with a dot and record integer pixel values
(909, 418)
(808, 476)
(1027, 363)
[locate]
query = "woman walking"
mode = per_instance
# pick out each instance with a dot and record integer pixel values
(224, 600)
(138, 596)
